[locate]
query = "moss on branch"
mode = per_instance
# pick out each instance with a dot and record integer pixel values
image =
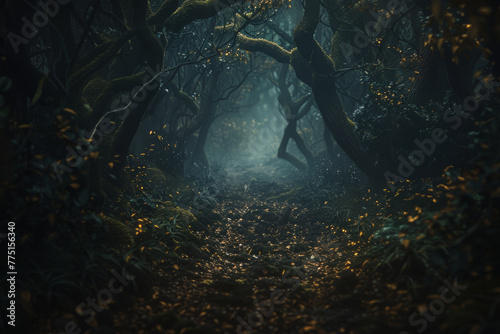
(261, 45)
(113, 87)
(193, 10)
(105, 53)
(185, 98)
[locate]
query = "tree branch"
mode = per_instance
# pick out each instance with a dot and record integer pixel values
(271, 49)
(192, 10)
(303, 35)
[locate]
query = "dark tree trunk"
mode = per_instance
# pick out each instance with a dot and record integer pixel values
(329, 144)
(199, 161)
(291, 132)
(291, 110)
(325, 94)
(342, 130)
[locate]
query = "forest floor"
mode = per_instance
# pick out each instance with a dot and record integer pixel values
(286, 254)
(272, 261)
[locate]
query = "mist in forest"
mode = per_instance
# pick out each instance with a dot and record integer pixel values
(252, 136)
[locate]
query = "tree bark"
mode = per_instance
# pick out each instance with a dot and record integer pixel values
(291, 109)
(199, 160)
(323, 86)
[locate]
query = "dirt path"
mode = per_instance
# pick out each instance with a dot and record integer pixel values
(271, 266)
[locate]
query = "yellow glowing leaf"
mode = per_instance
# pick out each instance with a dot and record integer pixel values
(38, 92)
(71, 111)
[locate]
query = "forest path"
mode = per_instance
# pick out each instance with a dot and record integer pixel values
(271, 266)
